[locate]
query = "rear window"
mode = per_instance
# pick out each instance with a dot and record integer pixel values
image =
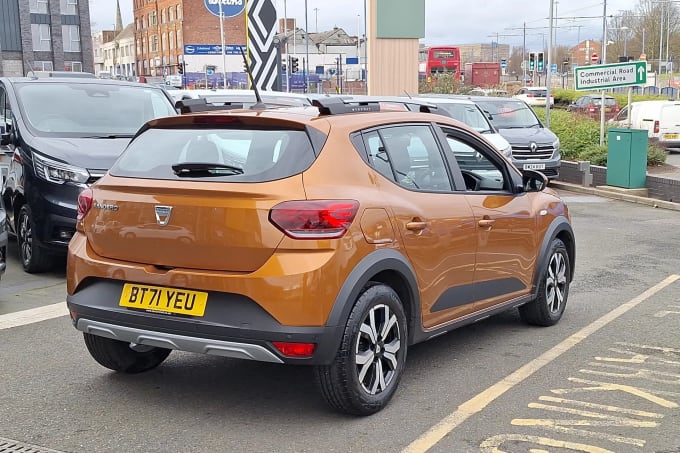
(230, 155)
(608, 102)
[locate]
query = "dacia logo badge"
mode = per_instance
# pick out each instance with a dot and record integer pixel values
(533, 147)
(163, 214)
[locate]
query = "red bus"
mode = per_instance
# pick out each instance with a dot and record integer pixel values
(440, 60)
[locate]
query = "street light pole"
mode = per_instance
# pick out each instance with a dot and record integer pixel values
(224, 54)
(306, 65)
(604, 61)
(548, 66)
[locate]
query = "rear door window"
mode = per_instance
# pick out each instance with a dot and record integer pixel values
(230, 154)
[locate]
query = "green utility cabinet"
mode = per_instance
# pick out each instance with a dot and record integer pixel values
(627, 158)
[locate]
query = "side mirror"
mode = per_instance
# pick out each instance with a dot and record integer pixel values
(534, 181)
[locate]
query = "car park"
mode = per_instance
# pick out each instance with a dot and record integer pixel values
(63, 134)
(335, 236)
(590, 104)
(534, 146)
(534, 96)
(661, 120)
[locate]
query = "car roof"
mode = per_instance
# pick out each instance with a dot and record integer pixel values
(442, 100)
(308, 116)
(243, 93)
(75, 80)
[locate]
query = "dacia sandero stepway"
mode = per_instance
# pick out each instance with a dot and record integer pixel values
(335, 236)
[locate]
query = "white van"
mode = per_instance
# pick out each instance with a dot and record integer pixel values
(661, 119)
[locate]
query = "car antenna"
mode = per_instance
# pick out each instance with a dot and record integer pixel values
(259, 105)
(409, 96)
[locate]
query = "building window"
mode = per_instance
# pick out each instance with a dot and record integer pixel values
(75, 66)
(171, 40)
(179, 39)
(171, 13)
(69, 7)
(42, 40)
(42, 66)
(139, 47)
(179, 12)
(163, 16)
(164, 41)
(153, 18)
(71, 35)
(38, 6)
(153, 43)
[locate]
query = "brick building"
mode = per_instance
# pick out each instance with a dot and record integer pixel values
(45, 35)
(581, 53)
(169, 32)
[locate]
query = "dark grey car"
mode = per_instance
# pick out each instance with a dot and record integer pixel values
(534, 146)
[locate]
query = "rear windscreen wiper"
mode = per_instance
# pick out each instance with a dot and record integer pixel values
(198, 169)
(110, 136)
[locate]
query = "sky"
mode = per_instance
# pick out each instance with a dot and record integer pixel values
(446, 21)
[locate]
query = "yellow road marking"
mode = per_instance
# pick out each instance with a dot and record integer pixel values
(477, 403)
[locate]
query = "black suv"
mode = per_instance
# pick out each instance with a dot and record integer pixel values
(63, 134)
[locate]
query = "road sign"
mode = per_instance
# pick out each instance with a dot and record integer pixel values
(209, 71)
(594, 58)
(230, 8)
(504, 63)
(610, 75)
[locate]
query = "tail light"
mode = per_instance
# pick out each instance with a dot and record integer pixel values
(529, 95)
(84, 204)
(295, 349)
(314, 219)
(656, 127)
(591, 108)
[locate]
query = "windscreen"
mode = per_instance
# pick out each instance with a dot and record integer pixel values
(467, 114)
(509, 114)
(219, 154)
(90, 109)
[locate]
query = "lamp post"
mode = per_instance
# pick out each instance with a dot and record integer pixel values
(224, 54)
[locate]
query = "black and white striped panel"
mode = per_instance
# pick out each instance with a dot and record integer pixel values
(262, 52)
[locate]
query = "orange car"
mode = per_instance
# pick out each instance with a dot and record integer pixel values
(335, 236)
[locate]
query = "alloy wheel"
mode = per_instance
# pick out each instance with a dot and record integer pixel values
(377, 348)
(556, 282)
(26, 239)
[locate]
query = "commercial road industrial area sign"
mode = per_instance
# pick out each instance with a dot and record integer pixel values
(610, 75)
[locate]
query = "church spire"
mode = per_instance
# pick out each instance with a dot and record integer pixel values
(119, 18)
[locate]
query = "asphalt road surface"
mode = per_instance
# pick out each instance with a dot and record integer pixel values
(605, 379)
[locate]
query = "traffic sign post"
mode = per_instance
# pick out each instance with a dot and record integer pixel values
(594, 58)
(604, 76)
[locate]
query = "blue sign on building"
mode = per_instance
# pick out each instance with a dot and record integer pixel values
(352, 60)
(230, 8)
(212, 49)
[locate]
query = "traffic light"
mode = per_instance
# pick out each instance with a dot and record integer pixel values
(539, 63)
(293, 65)
(532, 61)
(180, 68)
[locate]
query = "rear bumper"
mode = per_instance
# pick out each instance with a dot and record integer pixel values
(233, 326)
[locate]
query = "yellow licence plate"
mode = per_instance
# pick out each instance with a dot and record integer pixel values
(165, 300)
(671, 136)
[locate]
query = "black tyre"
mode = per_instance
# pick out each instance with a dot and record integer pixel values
(372, 355)
(120, 356)
(553, 289)
(34, 258)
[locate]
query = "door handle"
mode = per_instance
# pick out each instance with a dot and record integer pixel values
(416, 226)
(486, 223)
